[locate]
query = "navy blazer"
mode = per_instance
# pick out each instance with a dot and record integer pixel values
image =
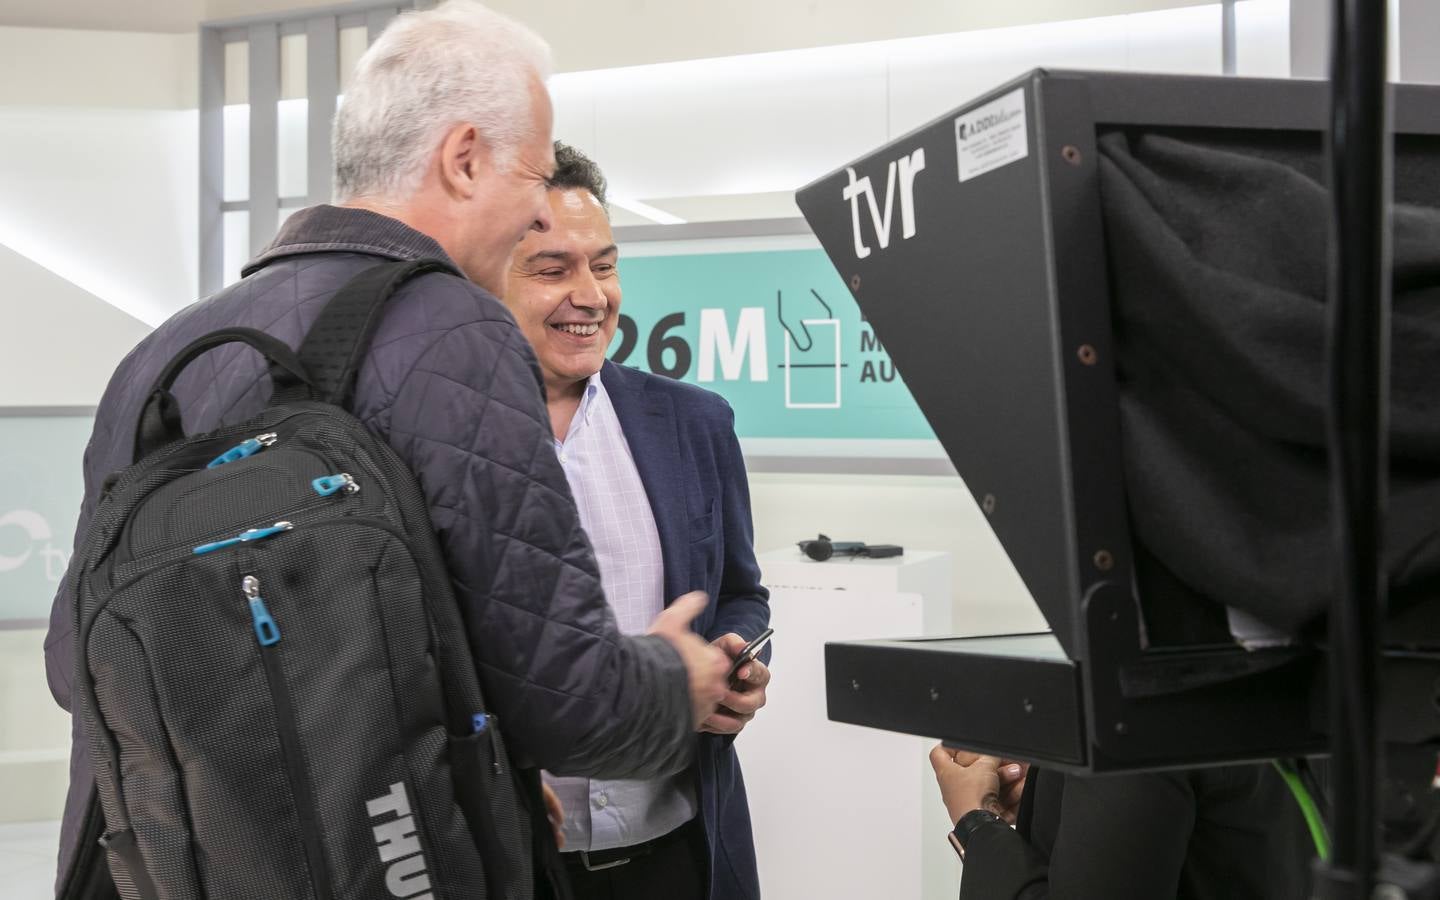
(683, 441)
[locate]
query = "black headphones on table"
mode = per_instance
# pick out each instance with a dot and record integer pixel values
(822, 548)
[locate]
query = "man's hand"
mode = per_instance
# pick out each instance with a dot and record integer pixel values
(1012, 781)
(555, 813)
(705, 666)
(967, 781)
(1012, 787)
(746, 693)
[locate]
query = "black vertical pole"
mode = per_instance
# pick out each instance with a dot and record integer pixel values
(1359, 356)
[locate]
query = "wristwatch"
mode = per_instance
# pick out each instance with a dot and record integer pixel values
(972, 820)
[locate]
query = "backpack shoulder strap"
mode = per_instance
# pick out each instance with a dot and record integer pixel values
(336, 344)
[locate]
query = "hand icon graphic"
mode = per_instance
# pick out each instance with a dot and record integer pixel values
(812, 352)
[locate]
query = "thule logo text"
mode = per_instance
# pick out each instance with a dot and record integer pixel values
(399, 845)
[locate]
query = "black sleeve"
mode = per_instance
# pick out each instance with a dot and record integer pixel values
(1120, 837)
(574, 695)
(999, 863)
(98, 461)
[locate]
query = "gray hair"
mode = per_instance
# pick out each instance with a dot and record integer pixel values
(428, 72)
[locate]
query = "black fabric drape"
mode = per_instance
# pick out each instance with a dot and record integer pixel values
(1217, 258)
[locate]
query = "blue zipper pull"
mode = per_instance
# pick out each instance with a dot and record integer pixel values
(266, 630)
(244, 449)
(254, 534)
(329, 484)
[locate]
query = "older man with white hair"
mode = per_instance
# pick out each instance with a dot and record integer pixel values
(442, 150)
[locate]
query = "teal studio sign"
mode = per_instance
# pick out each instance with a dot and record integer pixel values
(41, 486)
(776, 333)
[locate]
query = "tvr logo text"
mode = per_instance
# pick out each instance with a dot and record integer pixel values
(907, 167)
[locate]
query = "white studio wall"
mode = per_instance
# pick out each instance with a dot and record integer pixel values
(1263, 50)
(35, 737)
(767, 124)
(98, 163)
(71, 68)
(106, 199)
(60, 343)
(636, 32)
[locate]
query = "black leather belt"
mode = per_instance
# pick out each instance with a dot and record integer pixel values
(600, 860)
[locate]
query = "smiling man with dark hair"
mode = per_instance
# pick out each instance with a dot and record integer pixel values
(657, 475)
(576, 171)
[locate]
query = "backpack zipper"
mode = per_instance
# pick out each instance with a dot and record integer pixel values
(268, 635)
(244, 448)
(245, 537)
(327, 485)
(266, 631)
(304, 498)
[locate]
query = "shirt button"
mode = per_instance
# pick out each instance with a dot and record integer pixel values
(601, 800)
(564, 458)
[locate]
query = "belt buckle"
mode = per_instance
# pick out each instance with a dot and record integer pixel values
(613, 864)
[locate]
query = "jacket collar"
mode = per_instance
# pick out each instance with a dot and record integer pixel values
(318, 229)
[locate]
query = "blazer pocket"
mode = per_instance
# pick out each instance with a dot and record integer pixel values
(702, 527)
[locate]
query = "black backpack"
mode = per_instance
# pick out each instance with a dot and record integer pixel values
(271, 667)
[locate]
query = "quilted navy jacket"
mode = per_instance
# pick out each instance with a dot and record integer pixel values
(453, 386)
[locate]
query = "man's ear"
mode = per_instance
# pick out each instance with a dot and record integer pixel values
(463, 157)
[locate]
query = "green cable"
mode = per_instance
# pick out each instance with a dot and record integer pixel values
(1318, 832)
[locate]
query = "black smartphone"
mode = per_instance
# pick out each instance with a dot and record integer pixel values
(751, 651)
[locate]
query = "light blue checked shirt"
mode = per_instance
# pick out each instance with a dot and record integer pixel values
(615, 512)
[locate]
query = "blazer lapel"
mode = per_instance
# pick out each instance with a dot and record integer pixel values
(648, 420)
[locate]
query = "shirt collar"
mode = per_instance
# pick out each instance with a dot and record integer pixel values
(593, 389)
(593, 396)
(322, 228)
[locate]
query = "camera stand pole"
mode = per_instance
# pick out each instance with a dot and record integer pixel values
(1358, 351)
